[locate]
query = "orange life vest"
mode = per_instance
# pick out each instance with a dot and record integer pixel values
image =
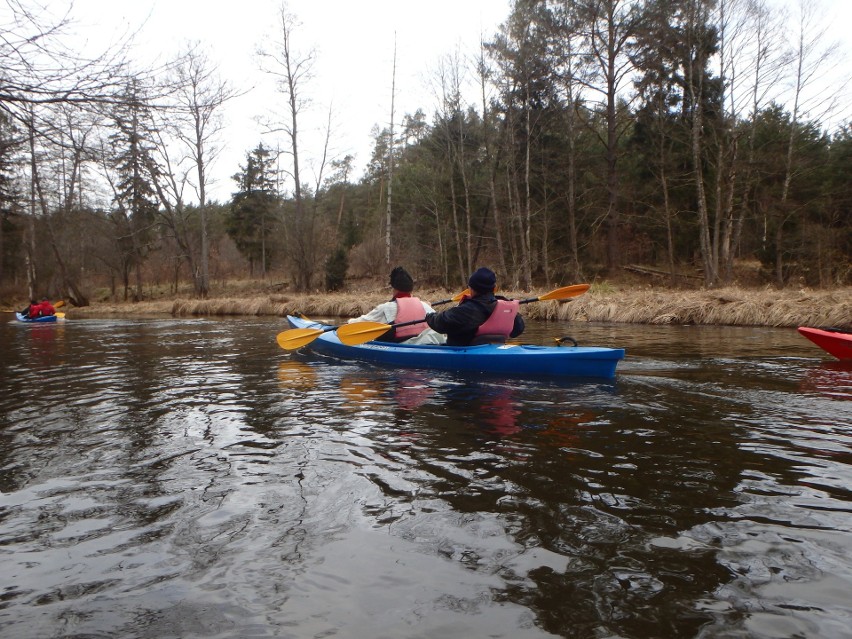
(409, 309)
(502, 319)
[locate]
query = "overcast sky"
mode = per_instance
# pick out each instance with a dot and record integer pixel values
(354, 45)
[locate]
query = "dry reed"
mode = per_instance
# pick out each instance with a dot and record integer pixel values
(728, 306)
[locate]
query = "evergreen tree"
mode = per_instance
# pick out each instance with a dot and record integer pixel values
(335, 269)
(254, 207)
(134, 193)
(9, 197)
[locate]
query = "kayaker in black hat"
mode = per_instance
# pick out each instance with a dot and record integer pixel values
(482, 318)
(403, 307)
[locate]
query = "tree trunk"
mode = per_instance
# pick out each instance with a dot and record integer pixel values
(492, 163)
(526, 220)
(390, 163)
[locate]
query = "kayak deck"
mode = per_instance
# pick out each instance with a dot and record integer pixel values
(834, 342)
(46, 319)
(508, 359)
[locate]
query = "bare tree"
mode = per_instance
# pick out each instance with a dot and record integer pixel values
(448, 81)
(200, 94)
(43, 71)
(42, 67)
(611, 27)
(491, 155)
(698, 48)
(290, 71)
(45, 202)
(518, 50)
(755, 62)
(391, 146)
(170, 182)
(815, 58)
(572, 74)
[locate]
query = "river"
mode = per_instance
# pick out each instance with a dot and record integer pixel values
(187, 478)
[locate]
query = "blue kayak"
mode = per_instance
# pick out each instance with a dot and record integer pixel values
(506, 359)
(44, 319)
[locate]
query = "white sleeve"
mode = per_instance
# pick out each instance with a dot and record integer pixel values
(384, 313)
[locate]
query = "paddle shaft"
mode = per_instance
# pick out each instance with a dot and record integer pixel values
(412, 322)
(454, 298)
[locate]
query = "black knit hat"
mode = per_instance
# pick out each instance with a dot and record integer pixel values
(401, 280)
(483, 280)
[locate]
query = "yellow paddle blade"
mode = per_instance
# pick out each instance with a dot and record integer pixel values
(60, 315)
(59, 304)
(566, 292)
(297, 337)
(361, 332)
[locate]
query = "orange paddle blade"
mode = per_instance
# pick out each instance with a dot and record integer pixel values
(566, 292)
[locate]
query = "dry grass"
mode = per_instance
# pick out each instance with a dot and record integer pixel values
(729, 306)
(603, 303)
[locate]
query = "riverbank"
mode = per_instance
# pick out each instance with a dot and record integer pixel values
(602, 303)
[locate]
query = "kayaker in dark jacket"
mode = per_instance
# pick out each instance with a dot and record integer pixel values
(480, 319)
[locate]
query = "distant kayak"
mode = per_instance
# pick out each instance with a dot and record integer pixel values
(505, 359)
(45, 319)
(834, 341)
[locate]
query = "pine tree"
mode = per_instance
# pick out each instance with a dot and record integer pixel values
(134, 195)
(253, 209)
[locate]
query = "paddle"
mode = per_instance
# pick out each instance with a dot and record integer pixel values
(454, 298)
(362, 332)
(298, 337)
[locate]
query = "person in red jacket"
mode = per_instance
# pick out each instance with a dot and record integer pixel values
(46, 307)
(40, 309)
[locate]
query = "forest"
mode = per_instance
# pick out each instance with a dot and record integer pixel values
(685, 137)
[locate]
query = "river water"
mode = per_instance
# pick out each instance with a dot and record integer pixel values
(188, 478)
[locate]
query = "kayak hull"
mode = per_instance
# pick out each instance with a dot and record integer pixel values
(46, 319)
(504, 359)
(833, 342)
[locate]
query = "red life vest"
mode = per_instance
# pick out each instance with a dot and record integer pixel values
(407, 310)
(502, 319)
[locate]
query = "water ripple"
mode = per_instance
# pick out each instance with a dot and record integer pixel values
(187, 478)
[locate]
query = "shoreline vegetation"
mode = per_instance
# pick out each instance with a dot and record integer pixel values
(732, 306)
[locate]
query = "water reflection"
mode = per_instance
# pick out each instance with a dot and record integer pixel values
(830, 379)
(296, 376)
